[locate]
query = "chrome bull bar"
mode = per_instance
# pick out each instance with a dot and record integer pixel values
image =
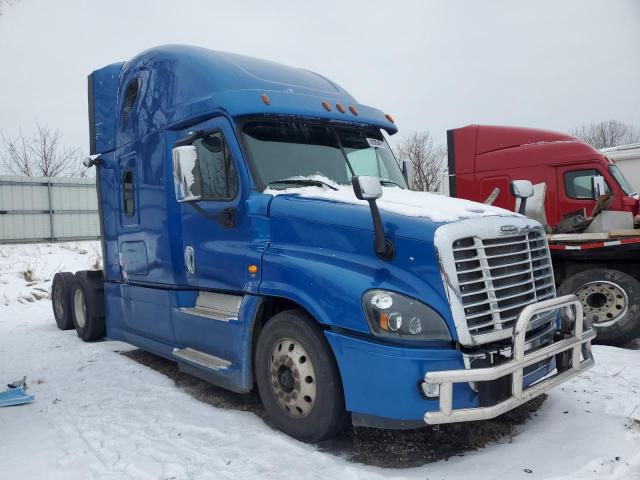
(578, 343)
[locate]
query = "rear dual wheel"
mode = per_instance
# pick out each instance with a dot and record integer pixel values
(610, 300)
(87, 297)
(61, 300)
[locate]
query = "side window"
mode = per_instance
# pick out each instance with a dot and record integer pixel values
(217, 178)
(128, 197)
(130, 97)
(578, 184)
(367, 162)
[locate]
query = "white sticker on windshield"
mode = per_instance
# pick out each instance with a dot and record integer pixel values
(375, 143)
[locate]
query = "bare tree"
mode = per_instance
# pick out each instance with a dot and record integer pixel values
(426, 160)
(42, 154)
(610, 133)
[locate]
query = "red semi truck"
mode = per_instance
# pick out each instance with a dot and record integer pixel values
(602, 268)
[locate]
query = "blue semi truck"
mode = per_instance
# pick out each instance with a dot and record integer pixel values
(257, 230)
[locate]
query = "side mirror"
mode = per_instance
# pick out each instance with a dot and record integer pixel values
(366, 188)
(91, 160)
(598, 187)
(186, 174)
(522, 189)
(369, 189)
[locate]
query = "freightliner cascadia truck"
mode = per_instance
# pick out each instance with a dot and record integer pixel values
(258, 231)
(601, 266)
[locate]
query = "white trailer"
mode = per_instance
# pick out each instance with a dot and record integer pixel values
(627, 157)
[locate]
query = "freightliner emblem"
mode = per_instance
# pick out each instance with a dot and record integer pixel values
(511, 229)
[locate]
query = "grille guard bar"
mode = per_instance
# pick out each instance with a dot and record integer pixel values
(578, 343)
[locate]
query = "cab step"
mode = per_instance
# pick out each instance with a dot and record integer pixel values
(202, 359)
(216, 306)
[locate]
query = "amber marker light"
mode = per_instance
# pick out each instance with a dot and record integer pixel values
(326, 105)
(389, 117)
(340, 107)
(353, 110)
(384, 321)
(265, 99)
(252, 269)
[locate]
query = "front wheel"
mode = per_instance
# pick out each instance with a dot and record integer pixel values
(298, 379)
(610, 300)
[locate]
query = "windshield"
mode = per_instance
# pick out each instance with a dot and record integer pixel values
(293, 149)
(624, 184)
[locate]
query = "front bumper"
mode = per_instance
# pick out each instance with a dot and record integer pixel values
(578, 348)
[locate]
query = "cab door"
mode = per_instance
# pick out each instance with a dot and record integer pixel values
(215, 229)
(574, 187)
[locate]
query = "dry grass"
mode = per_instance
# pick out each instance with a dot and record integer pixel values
(28, 274)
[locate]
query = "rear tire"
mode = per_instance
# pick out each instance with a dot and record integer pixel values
(61, 300)
(298, 379)
(87, 297)
(611, 301)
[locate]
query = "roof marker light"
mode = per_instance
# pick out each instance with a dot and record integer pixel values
(340, 107)
(389, 117)
(353, 110)
(326, 105)
(265, 99)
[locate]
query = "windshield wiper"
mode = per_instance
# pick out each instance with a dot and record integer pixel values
(307, 182)
(386, 181)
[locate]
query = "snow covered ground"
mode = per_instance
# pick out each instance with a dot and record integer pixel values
(99, 414)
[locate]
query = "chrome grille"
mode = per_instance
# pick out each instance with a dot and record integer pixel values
(498, 277)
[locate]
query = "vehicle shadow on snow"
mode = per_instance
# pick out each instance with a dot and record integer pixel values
(383, 448)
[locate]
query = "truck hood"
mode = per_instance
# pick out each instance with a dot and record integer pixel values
(405, 213)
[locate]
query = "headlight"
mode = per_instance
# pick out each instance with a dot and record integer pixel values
(393, 315)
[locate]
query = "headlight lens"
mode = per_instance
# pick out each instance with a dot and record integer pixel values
(393, 315)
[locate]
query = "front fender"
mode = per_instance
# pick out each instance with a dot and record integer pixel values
(329, 282)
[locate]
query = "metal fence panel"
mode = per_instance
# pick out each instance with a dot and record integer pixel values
(47, 209)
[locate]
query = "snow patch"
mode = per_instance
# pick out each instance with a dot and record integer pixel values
(26, 270)
(437, 208)
(98, 414)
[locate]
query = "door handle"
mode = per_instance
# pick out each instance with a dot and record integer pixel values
(227, 218)
(189, 259)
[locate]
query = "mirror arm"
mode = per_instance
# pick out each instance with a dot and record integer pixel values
(523, 205)
(383, 247)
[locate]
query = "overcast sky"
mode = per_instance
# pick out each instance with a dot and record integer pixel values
(433, 64)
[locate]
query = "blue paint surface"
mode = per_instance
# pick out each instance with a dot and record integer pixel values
(316, 253)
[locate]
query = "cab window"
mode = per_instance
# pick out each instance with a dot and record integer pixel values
(130, 97)
(216, 178)
(578, 184)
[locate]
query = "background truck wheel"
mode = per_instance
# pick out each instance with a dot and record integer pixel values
(87, 297)
(611, 300)
(61, 299)
(298, 379)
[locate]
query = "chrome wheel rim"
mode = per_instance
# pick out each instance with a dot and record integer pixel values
(604, 303)
(57, 301)
(80, 308)
(292, 378)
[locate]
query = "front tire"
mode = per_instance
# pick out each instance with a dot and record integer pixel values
(298, 379)
(611, 301)
(87, 299)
